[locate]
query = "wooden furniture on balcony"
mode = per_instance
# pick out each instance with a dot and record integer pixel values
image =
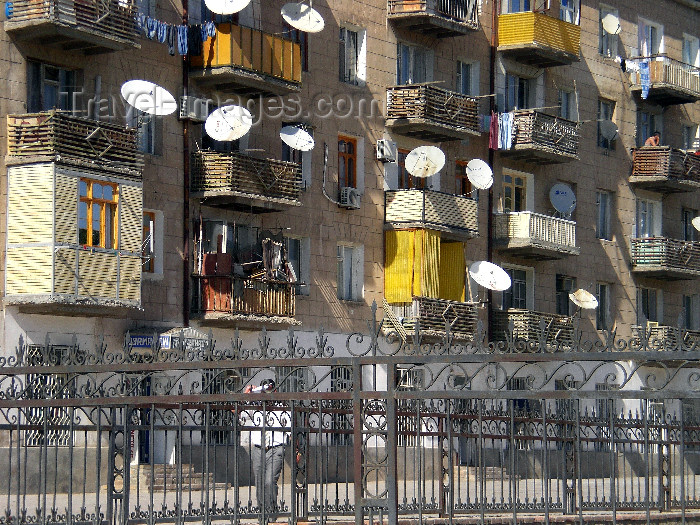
(246, 183)
(670, 81)
(247, 61)
(454, 215)
(432, 113)
(90, 26)
(431, 315)
(528, 325)
(665, 170)
(543, 139)
(533, 235)
(437, 18)
(538, 39)
(667, 259)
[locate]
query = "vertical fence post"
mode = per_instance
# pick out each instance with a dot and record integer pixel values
(358, 441)
(392, 445)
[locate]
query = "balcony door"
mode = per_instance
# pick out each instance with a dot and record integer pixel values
(648, 218)
(650, 38)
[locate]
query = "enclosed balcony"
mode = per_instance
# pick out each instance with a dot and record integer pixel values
(241, 182)
(533, 235)
(529, 325)
(432, 113)
(667, 259)
(90, 26)
(249, 62)
(437, 18)
(454, 215)
(670, 81)
(432, 315)
(537, 39)
(665, 170)
(669, 338)
(540, 138)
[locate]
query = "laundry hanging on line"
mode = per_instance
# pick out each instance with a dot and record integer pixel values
(185, 39)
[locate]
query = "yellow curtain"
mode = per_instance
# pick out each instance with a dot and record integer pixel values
(452, 271)
(430, 264)
(398, 266)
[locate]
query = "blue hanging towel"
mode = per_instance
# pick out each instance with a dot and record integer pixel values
(161, 32)
(211, 29)
(182, 39)
(141, 22)
(644, 78)
(170, 37)
(152, 27)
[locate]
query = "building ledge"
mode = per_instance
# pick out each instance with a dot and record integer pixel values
(71, 306)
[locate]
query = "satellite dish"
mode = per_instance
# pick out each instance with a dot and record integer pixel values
(489, 275)
(696, 223)
(303, 17)
(611, 24)
(583, 299)
(226, 7)
(608, 129)
(479, 174)
(562, 198)
(148, 97)
(297, 138)
(228, 123)
(424, 161)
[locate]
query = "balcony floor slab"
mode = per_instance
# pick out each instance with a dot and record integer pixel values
(231, 320)
(528, 153)
(241, 81)
(666, 94)
(663, 184)
(426, 130)
(534, 54)
(431, 24)
(665, 273)
(71, 306)
(239, 201)
(530, 249)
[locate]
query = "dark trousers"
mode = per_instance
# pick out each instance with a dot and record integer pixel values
(267, 466)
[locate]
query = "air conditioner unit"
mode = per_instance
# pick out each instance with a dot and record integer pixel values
(349, 198)
(193, 108)
(386, 150)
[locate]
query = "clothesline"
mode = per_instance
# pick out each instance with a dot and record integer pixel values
(186, 39)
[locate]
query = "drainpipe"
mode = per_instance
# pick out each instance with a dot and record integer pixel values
(492, 106)
(186, 188)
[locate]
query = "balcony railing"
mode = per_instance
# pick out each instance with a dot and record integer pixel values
(239, 178)
(432, 314)
(244, 60)
(665, 169)
(222, 296)
(538, 39)
(89, 25)
(535, 235)
(666, 258)
(439, 18)
(669, 338)
(543, 139)
(60, 136)
(670, 81)
(431, 209)
(429, 112)
(528, 324)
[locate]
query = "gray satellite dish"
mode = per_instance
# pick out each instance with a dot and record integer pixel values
(226, 7)
(696, 223)
(148, 97)
(479, 174)
(303, 17)
(608, 129)
(584, 299)
(297, 138)
(228, 123)
(424, 161)
(489, 275)
(562, 198)
(611, 24)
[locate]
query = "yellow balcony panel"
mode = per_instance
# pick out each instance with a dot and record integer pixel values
(670, 81)
(90, 26)
(241, 60)
(540, 138)
(666, 259)
(665, 170)
(437, 18)
(528, 326)
(538, 39)
(533, 235)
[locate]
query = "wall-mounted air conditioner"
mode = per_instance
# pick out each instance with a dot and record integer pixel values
(349, 198)
(194, 109)
(386, 150)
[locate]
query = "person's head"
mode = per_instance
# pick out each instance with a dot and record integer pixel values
(267, 385)
(657, 134)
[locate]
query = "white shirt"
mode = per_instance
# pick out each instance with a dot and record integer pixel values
(274, 422)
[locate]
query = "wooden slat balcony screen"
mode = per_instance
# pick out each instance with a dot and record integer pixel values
(526, 325)
(245, 296)
(540, 30)
(547, 133)
(463, 11)
(535, 227)
(54, 134)
(431, 209)
(664, 161)
(666, 253)
(668, 71)
(670, 336)
(435, 105)
(239, 173)
(432, 314)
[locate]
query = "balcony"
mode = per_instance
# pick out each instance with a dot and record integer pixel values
(529, 325)
(543, 139)
(669, 338)
(670, 81)
(454, 215)
(90, 26)
(532, 235)
(667, 259)
(248, 62)
(428, 112)
(241, 182)
(537, 39)
(437, 18)
(665, 170)
(432, 314)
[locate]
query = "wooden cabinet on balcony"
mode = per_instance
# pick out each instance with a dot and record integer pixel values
(437, 18)
(248, 62)
(667, 259)
(533, 235)
(432, 315)
(453, 215)
(241, 182)
(432, 113)
(89, 26)
(540, 138)
(532, 326)
(670, 81)
(665, 170)
(537, 39)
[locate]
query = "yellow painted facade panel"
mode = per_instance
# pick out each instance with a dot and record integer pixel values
(64, 272)
(130, 217)
(30, 204)
(97, 274)
(66, 208)
(28, 270)
(130, 278)
(537, 28)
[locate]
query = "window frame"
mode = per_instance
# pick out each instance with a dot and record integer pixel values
(104, 204)
(603, 312)
(66, 86)
(603, 222)
(349, 176)
(649, 297)
(606, 111)
(567, 109)
(148, 242)
(564, 306)
(647, 123)
(524, 89)
(647, 49)
(411, 76)
(690, 46)
(463, 185)
(689, 231)
(607, 43)
(512, 185)
(352, 288)
(648, 214)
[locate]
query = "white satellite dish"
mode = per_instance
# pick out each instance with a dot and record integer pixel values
(424, 161)
(584, 299)
(611, 24)
(562, 198)
(148, 97)
(608, 129)
(297, 138)
(479, 174)
(226, 7)
(489, 275)
(303, 17)
(228, 123)
(696, 223)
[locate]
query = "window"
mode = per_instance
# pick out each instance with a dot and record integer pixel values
(516, 295)
(50, 87)
(350, 66)
(406, 180)
(298, 256)
(691, 53)
(606, 109)
(647, 124)
(602, 293)
(97, 214)
(689, 231)
(569, 11)
(291, 379)
(650, 38)
(648, 217)
(467, 78)
(648, 305)
(690, 139)
(347, 162)
(147, 252)
(603, 204)
(564, 286)
(691, 312)
(341, 381)
(516, 6)
(567, 105)
(514, 193)
(413, 64)
(239, 240)
(301, 38)
(300, 157)
(607, 43)
(462, 184)
(518, 92)
(350, 273)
